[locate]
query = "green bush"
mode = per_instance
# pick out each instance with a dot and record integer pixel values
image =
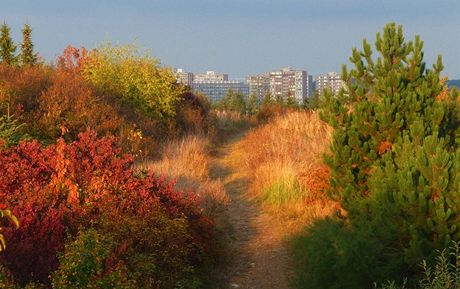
(85, 263)
(333, 254)
(11, 132)
(153, 250)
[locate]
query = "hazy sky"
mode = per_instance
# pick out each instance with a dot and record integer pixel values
(239, 37)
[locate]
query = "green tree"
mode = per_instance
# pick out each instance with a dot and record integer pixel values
(311, 102)
(233, 101)
(253, 104)
(291, 102)
(267, 99)
(7, 47)
(27, 55)
(394, 159)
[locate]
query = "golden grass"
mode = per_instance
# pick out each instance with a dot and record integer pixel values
(284, 161)
(187, 161)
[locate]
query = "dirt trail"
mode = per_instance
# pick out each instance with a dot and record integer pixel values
(259, 256)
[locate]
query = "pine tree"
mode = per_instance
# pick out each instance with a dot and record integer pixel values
(7, 47)
(394, 154)
(27, 55)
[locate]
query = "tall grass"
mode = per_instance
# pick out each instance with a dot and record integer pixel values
(187, 161)
(284, 161)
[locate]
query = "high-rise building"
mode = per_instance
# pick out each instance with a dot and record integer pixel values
(210, 76)
(259, 85)
(216, 90)
(289, 82)
(332, 81)
(184, 77)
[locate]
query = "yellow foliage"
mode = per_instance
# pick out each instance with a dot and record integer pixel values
(135, 77)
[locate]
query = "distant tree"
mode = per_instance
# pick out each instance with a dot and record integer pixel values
(233, 101)
(253, 104)
(267, 99)
(27, 55)
(291, 101)
(279, 100)
(7, 47)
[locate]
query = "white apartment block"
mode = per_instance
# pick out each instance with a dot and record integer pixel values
(184, 77)
(210, 76)
(289, 82)
(332, 81)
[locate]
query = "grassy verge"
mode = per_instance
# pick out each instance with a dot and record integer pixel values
(284, 162)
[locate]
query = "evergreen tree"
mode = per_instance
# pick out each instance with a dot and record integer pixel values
(239, 103)
(394, 158)
(7, 47)
(27, 55)
(253, 104)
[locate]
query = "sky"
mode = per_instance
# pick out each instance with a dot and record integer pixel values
(238, 37)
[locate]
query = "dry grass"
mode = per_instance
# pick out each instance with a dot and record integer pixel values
(284, 161)
(187, 161)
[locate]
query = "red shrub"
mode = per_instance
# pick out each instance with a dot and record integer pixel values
(55, 190)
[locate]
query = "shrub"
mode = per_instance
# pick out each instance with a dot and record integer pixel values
(137, 79)
(86, 263)
(70, 104)
(56, 190)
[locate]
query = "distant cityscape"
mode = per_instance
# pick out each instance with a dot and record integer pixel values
(283, 83)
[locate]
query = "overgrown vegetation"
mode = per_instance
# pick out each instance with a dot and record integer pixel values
(70, 133)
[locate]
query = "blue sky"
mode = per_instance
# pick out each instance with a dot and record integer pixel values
(239, 37)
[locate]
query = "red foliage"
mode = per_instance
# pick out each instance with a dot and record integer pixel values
(22, 86)
(317, 181)
(71, 58)
(56, 189)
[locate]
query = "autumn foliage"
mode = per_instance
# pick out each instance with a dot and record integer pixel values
(57, 190)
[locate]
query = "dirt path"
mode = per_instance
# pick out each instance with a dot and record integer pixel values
(259, 256)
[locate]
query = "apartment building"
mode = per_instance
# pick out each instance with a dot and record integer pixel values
(282, 83)
(332, 81)
(289, 82)
(184, 77)
(210, 76)
(216, 90)
(259, 85)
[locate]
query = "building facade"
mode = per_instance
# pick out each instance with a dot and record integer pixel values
(210, 76)
(216, 90)
(184, 77)
(289, 82)
(332, 81)
(259, 85)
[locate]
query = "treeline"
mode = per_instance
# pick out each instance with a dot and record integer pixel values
(265, 108)
(70, 132)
